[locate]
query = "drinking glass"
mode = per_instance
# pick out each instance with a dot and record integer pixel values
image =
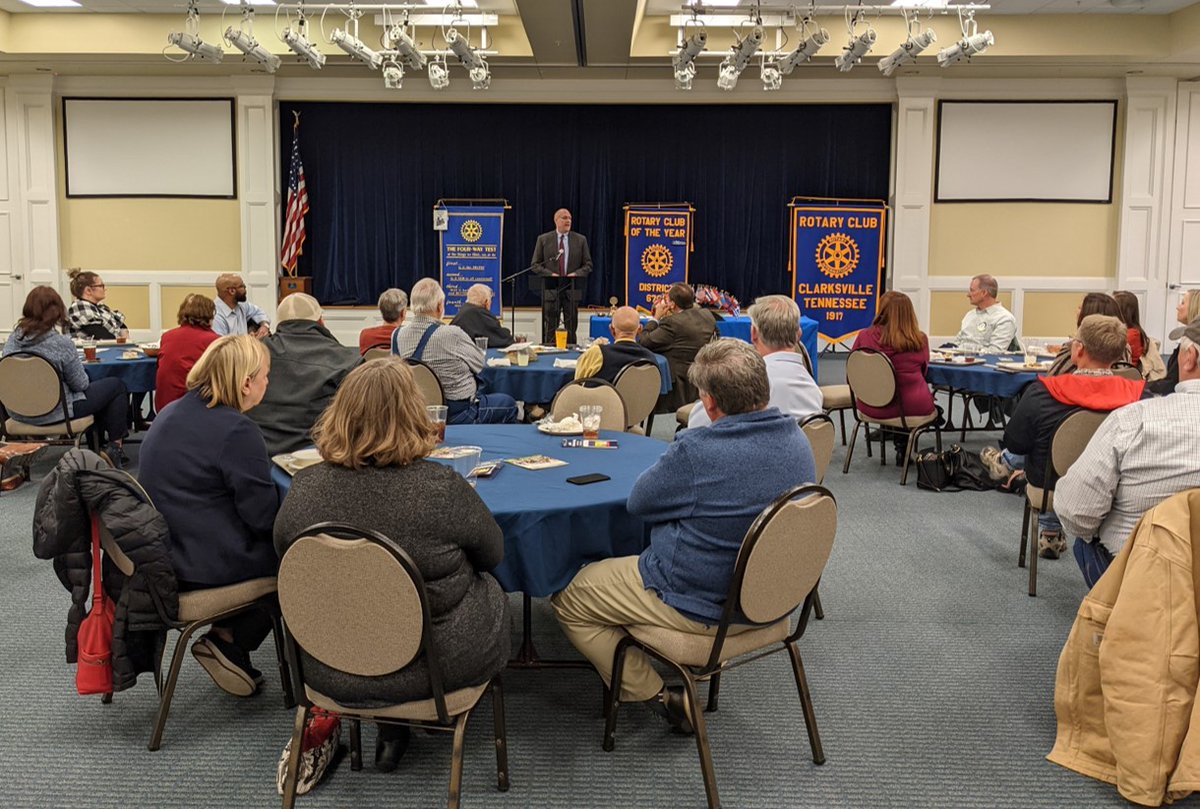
(466, 462)
(481, 344)
(589, 415)
(437, 414)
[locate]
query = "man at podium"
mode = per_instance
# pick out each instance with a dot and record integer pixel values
(561, 258)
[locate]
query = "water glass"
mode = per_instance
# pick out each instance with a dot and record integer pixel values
(437, 414)
(590, 415)
(465, 463)
(482, 344)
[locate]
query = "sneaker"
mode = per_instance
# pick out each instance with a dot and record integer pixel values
(228, 665)
(1051, 544)
(995, 465)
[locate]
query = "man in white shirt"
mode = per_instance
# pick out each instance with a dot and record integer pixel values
(234, 314)
(1142, 454)
(775, 333)
(989, 328)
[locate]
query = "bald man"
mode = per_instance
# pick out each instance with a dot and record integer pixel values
(561, 254)
(476, 319)
(234, 314)
(606, 361)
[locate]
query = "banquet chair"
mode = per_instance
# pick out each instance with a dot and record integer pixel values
(197, 609)
(1070, 439)
(377, 353)
(872, 381)
(353, 600)
(30, 386)
(427, 382)
(591, 391)
(820, 432)
(1127, 370)
(778, 569)
(638, 383)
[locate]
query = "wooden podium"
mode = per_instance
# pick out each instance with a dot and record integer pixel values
(289, 284)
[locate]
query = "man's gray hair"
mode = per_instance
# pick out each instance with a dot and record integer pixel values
(425, 297)
(734, 374)
(988, 284)
(777, 318)
(392, 304)
(478, 293)
(1186, 343)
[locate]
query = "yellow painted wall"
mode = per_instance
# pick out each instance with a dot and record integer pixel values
(1051, 314)
(133, 302)
(171, 296)
(947, 308)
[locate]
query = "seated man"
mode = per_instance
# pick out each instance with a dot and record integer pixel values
(307, 365)
(1141, 455)
(606, 361)
(698, 501)
(774, 333)
(453, 358)
(476, 319)
(235, 315)
(393, 303)
(679, 329)
(989, 328)
(1100, 342)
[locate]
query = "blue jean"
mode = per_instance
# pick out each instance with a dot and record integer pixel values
(487, 408)
(1046, 522)
(108, 402)
(1093, 559)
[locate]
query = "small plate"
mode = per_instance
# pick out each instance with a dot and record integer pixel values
(951, 363)
(544, 428)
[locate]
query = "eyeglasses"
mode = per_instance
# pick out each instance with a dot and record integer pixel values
(96, 286)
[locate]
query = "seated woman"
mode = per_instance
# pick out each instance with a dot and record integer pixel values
(1187, 313)
(106, 399)
(1093, 303)
(205, 467)
(895, 332)
(89, 316)
(374, 437)
(180, 348)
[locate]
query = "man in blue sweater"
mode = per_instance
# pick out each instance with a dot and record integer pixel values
(699, 500)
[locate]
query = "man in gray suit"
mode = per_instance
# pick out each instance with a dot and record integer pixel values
(559, 256)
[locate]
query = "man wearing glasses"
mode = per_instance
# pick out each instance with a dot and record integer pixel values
(235, 315)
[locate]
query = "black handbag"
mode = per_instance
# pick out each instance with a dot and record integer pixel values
(936, 470)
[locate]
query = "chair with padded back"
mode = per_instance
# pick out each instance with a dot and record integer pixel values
(355, 601)
(638, 383)
(377, 353)
(872, 380)
(31, 387)
(1070, 439)
(427, 382)
(591, 391)
(820, 431)
(837, 399)
(1127, 370)
(777, 572)
(198, 609)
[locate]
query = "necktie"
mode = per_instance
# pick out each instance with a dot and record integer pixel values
(562, 254)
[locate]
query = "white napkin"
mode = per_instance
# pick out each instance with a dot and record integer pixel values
(499, 362)
(564, 363)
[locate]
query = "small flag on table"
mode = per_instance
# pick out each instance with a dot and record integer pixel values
(297, 206)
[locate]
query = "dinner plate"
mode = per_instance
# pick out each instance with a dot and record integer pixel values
(543, 428)
(1020, 366)
(976, 361)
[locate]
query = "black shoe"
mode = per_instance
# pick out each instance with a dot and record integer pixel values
(228, 665)
(115, 456)
(671, 705)
(388, 751)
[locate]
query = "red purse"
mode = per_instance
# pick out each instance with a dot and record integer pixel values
(93, 671)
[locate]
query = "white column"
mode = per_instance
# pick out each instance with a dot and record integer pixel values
(916, 119)
(257, 163)
(31, 205)
(1143, 237)
(1183, 255)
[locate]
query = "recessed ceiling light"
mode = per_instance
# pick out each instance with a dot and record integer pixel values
(51, 3)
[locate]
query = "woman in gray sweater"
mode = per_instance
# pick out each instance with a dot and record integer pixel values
(374, 438)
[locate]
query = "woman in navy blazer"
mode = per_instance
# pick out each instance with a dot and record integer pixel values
(205, 466)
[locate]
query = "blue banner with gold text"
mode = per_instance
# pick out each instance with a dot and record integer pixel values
(837, 263)
(470, 248)
(658, 239)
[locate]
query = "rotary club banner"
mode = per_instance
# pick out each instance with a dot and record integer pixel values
(837, 262)
(470, 249)
(658, 239)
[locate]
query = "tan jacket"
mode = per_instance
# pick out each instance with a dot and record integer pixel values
(1127, 677)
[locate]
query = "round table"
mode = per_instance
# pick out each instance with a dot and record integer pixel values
(138, 375)
(540, 380)
(985, 378)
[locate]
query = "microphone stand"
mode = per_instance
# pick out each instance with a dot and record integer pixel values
(512, 300)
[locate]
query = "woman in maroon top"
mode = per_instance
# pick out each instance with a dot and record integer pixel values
(181, 347)
(895, 333)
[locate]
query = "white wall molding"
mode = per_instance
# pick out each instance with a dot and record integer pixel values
(1183, 252)
(29, 113)
(912, 199)
(258, 194)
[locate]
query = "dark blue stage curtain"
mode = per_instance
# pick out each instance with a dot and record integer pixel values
(374, 172)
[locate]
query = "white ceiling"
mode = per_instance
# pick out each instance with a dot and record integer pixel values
(209, 6)
(667, 7)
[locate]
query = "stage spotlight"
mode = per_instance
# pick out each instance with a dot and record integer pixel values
(356, 49)
(298, 43)
(907, 53)
(245, 42)
(739, 55)
(684, 76)
(855, 50)
(189, 40)
(972, 41)
(439, 76)
(403, 44)
(684, 62)
(805, 51)
(393, 75)
(772, 79)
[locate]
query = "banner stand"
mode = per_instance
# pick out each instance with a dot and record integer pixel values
(470, 246)
(658, 243)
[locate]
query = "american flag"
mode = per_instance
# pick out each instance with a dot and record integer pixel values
(297, 207)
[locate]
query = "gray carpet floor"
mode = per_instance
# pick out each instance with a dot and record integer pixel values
(932, 677)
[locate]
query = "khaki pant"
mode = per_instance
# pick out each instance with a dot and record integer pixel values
(603, 598)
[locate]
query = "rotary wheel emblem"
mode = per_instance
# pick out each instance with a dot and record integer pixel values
(837, 255)
(471, 231)
(657, 260)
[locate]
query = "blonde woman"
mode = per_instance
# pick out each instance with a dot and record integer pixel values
(1187, 313)
(205, 466)
(374, 437)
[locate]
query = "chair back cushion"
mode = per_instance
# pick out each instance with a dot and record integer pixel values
(377, 354)
(350, 604)
(786, 550)
(427, 382)
(871, 378)
(29, 385)
(820, 432)
(1071, 438)
(638, 383)
(591, 391)
(1127, 371)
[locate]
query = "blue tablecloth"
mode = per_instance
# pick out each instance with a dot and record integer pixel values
(986, 379)
(551, 527)
(738, 327)
(138, 375)
(540, 380)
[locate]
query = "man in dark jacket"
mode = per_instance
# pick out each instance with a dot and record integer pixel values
(606, 361)
(476, 319)
(679, 330)
(307, 365)
(1099, 342)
